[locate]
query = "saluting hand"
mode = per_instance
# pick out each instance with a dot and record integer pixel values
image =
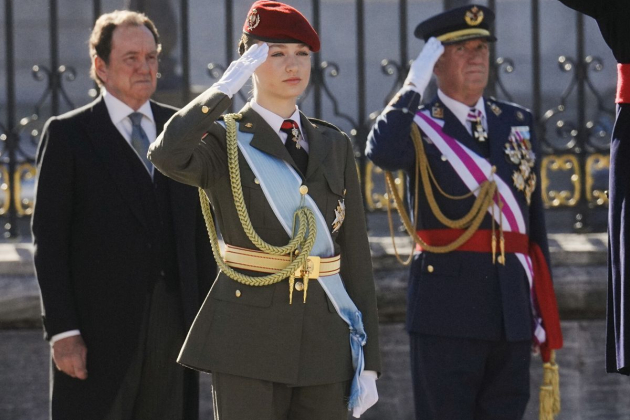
(70, 355)
(422, 67)
(241, 70)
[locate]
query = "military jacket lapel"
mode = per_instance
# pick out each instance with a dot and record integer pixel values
(454, 128)
(498, 133)
(117, 157)
(265, 139)
(319, 145)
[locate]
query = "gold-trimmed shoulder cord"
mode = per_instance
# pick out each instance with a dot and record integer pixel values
(300, 244)
(471, 221)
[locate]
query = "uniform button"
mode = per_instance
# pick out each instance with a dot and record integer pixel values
(444, 158)
(205, 109)
(430, 268)
(237, 293)
(256, 181)
(405, 110)
(303, 190)
(299, 286)
(163, 273)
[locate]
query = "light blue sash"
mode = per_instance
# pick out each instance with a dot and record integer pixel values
(281, 184)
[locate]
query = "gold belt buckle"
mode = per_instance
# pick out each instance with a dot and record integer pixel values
(312, 268)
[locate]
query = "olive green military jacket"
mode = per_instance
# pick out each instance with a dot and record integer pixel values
(254, 331)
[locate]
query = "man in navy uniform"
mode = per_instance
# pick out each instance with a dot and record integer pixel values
(612, 18)
(480, 293)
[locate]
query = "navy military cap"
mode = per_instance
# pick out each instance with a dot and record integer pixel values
(457, 25)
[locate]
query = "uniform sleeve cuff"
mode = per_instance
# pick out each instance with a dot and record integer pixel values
(63, 335)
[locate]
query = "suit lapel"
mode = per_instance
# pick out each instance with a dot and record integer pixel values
(116, 156)
(319, 145)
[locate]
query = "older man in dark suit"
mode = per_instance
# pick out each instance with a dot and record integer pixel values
(122, 256)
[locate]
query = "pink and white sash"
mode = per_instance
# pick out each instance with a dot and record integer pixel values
(473, 170)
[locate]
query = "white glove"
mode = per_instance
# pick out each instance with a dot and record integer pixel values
(239, 71)
(422, 67)
(367, 381)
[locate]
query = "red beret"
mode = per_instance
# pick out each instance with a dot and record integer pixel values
(272, 21)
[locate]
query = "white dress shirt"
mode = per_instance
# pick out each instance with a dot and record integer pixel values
(119, 114)
(461, 110)
(275, 121)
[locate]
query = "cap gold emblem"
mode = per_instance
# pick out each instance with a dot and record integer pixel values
(253, 20)
(474, 16)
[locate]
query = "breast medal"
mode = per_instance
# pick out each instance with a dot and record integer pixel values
(518, 151)
(340, 215)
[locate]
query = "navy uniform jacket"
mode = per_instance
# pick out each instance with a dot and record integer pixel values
(613, 16)
(461, 294)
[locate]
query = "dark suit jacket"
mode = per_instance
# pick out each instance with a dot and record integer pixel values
(97, 250)
(462, 294)
(612, 17)
(256, 333)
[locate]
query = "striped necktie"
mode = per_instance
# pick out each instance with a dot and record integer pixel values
(139, 140)
(297, 152)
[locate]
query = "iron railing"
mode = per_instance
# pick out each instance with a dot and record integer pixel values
(574, 123)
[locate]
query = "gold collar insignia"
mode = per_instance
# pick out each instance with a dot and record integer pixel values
(437, 111)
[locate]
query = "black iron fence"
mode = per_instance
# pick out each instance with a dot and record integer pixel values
(549, 59)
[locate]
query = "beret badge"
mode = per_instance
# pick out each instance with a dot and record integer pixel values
(253, 20)
(474, 16)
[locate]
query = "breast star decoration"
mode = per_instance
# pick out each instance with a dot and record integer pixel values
(519, 152)
(340, 215)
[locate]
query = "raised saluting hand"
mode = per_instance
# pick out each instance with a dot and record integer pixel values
(241, 70)
(422, 67)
